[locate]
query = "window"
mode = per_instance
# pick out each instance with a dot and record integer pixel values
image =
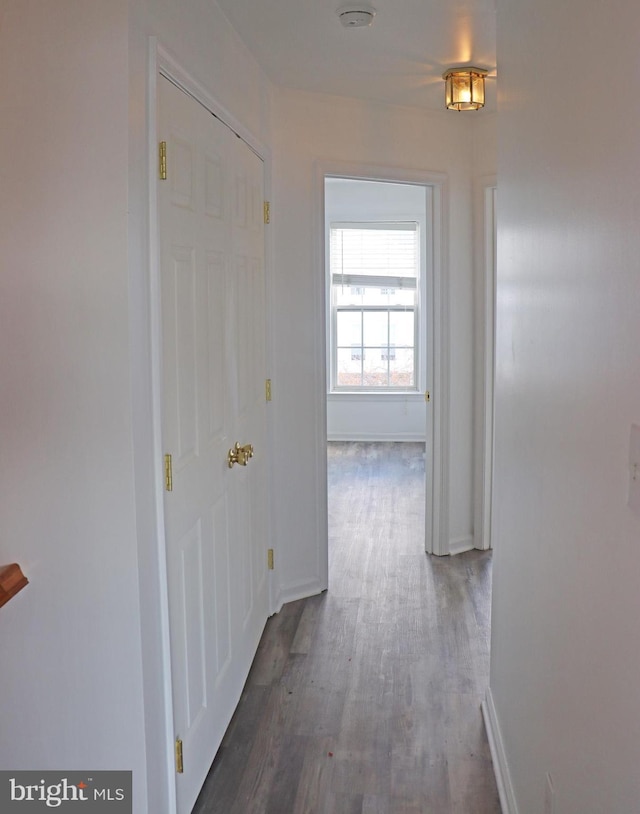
(374, 306)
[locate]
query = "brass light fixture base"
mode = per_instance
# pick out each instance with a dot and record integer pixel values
(464, 88)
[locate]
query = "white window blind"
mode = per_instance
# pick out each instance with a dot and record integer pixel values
(386, 251)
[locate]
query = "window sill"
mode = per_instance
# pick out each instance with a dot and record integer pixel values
(371, 395)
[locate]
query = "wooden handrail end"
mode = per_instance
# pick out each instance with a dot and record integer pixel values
(12, 580)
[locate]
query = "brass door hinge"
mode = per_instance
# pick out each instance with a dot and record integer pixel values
(168, 473)
(179, 761)
(427, 396)
(267, 390)
(267, 212)
(163, 160)
(270, 559)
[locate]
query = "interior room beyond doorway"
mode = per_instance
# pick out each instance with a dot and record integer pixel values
(377, 262)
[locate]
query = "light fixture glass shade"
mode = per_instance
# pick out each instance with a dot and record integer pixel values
(464, 88)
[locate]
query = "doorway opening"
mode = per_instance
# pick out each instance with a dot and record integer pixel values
(379, 242)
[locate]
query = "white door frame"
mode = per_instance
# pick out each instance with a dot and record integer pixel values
(162, 62)
(437, 479)
(485, 294)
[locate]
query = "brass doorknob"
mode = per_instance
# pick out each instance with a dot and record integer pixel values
(239, 455)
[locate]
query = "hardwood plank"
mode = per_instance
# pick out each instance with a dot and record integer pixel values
(271, 741)
(275, 645)
(307, 625)
(314, 795)
(285, 782)
(472, 787)
(375, 804)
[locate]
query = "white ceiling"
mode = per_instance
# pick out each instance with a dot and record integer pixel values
(399, 59)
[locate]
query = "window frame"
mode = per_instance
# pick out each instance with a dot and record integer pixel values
(385, 282)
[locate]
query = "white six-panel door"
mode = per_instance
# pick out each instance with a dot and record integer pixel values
(213, 329)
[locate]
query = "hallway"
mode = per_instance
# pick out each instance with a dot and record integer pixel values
(367, 698)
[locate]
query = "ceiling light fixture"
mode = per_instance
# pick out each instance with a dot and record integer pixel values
(464, 88)
(356, 15)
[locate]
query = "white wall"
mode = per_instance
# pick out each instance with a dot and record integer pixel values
(71, 675)
(308, 128)
(379, 416)
(376, 417)
(485, 143)
(82, 664)
(566, 639)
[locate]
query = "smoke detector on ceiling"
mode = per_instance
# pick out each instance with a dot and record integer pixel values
(356, 15)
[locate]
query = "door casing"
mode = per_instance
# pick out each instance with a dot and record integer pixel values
(437, 480)
(154, 593)
(484, 363)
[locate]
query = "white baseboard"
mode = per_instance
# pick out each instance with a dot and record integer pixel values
(460, 545)
(499, 757)
(299, 590)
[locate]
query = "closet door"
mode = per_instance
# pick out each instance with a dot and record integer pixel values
(213, 360)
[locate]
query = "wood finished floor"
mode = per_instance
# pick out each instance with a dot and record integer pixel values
(366, 699)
